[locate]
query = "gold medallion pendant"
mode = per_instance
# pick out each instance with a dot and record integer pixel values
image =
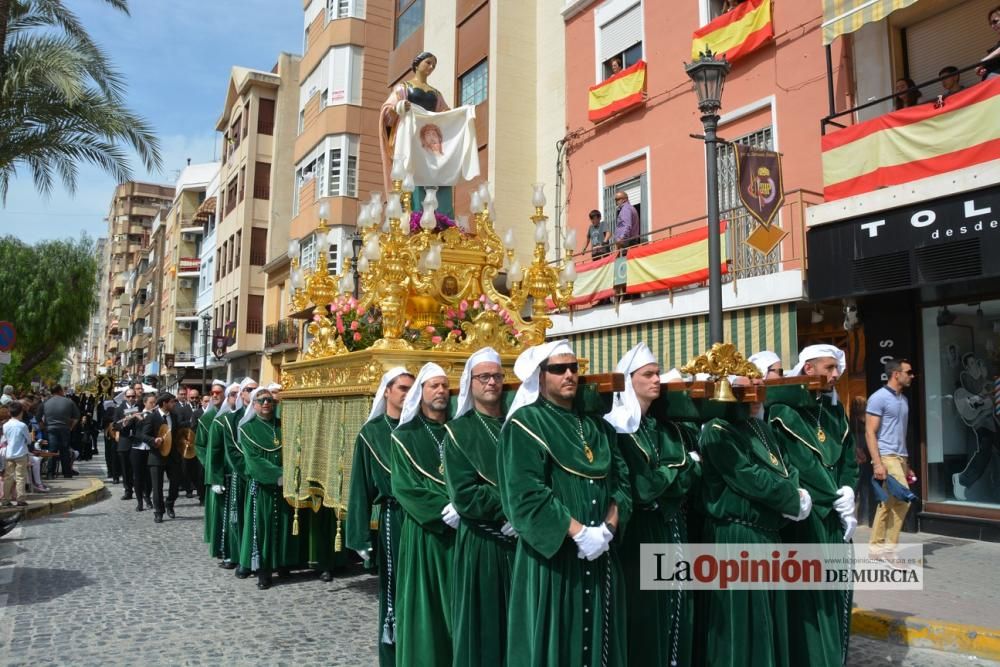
(821, 434)
(774, 459)
(588, 453)
(441, 468)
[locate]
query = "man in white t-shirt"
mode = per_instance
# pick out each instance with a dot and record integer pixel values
(16, 440)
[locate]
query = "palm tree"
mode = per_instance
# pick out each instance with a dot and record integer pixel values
(61, 101)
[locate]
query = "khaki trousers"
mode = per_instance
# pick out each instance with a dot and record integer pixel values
(890, 515)
(14, 477)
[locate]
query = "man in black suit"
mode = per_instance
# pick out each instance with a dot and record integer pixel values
(124, 423)
(195, 472)
(149, 433)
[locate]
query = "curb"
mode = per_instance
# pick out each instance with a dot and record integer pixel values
(975, 640)
(89, 496)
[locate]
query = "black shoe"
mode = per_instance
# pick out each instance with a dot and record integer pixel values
(127, 496)
(326, 575)
(243, 573)
(170, 513)
(139, 508)
(201, 502)
(115, 481)
(189, 494)
(149, 500)
(284, 572)
(227, 565)
(264, 580)
(157, 518)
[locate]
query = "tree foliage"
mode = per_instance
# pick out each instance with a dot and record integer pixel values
(61, 101)
(49, 291)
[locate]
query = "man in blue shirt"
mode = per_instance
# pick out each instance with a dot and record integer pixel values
(885, 433)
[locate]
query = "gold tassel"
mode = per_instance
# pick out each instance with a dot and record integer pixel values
(295, 521)
(337, 542)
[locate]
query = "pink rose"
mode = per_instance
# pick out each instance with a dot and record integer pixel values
(482, 298)
(449, 324)
(357, 336)
(354, 325)
(360, 310)
(340, 324)
(456, 332)
(430, 328)
(435, 339)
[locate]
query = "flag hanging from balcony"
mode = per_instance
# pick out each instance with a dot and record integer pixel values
(737, 32)
(595, 280)
(671, 263)
(617, 93)
(913, 143)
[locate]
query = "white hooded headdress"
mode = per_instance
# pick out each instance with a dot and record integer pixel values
(811, 352)
(626, 413)
(764, 360)
(465, 402)
(250, 413)
(526, 368)
(239, 399)
(411, 406)
(378, 406)
(224, 408)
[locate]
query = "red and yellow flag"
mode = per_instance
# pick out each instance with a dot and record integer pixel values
(595, 280)
(913, 143)
(671, 263)
(736, 33)
(617, 93)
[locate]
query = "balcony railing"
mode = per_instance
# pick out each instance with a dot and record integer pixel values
(189, 264)
(282, 335)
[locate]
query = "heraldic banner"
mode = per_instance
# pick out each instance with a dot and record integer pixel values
(439, 149)
(758, 173)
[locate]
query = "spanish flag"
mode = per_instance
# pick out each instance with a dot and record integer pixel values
(595, 280)
(671, 263)
(617, 93)
(737, 32)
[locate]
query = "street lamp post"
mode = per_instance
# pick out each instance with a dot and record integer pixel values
(159, 367)
(206, 321)
(709, 75)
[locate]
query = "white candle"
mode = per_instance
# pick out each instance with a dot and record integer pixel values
(538, 196)
(508, 239)
(541, 235)
(394, 209)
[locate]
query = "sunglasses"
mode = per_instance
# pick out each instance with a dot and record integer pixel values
(234, 393)
(994, 21)
(218, 393)
(560, 369)
(485, 378)
(265, 401)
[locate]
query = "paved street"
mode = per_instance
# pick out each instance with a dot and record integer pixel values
(105, 585)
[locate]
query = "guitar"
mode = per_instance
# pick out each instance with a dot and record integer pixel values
(972, 408)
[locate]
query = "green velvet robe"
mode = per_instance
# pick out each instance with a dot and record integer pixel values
(820, 621)
(236, 489)
(662, 475)
(426, 545)
(267, 540)
(484, 556)
(563, 609)
(320, 530)
(225, 542)
(201, 438)
(371, 485)
(746, 488)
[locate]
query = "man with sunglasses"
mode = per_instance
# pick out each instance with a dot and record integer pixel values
(886, 417)
(237, 487)
(427, 533)
(817, 441)
(484, 544)
(213, 502)
(371, 484)
(564, 487)
(219, 477)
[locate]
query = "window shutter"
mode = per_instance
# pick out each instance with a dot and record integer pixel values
(621, 32)
(644, 209)
(634, 191)
(609, 209)
(957, 36)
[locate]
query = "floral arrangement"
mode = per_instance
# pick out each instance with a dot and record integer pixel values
(357, 326)
(466, 312)
(443, 222)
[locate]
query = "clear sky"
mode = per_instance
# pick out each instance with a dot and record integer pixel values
(176, 56)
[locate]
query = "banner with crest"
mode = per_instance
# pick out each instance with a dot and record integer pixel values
(758, 174)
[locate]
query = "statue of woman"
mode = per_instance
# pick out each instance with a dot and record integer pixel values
(414, 91)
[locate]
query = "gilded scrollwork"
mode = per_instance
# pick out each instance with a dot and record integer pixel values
(721, 361)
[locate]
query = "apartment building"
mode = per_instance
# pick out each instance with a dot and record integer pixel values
(206, 217)
(254, 191)
(181, 274)
(130, 217)
(145, 295)
(908, 245)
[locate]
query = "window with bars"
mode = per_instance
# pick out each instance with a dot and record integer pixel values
(474, 85)
(307, 253)
(409, 17)
(729, 197)
(246, 115)
(239, 248)
(258, 246)
(342, 180)
(342, 9)
(265, 117)
(262, 180)
(255, 314)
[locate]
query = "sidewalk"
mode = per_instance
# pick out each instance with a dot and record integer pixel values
(66, 494)
(956, 611)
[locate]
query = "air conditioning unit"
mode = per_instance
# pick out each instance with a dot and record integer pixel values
(186, 236)
(186, 283)
(185, 325)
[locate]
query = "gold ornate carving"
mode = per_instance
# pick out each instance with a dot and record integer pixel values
(487, 330)
(721, 361)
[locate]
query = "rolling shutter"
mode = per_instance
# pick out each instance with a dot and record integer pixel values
(621, 32)
(958, 36)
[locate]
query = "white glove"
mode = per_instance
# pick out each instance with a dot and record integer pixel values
(805, 506)
(450, 516)
(218, 489)
(608, 535)
(365, 554)
(281, 480)
(508, 529)
(844, 504)
(695, 456)
(590, 542)
(850, 524)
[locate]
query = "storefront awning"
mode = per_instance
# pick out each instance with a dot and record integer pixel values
(675, 342)
(207, 208)
(841, 17)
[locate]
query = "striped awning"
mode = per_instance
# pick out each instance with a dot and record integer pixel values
(675, 342)
(207, 208)
(841, 17)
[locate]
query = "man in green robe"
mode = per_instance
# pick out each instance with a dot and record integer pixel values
(268, 543)
(218, 480)
(816, 436)
(484, 545)
(749, 491)
(427, 533)
(564, 487)
(371, 485)
(201, 438)
(237, 489)
(662, 475)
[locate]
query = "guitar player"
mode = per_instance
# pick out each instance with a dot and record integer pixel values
(152, 432)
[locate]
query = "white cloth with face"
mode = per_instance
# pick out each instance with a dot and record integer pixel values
(250, 413)
(244, 383)
(527, 370)
(411, 406)
(764, 360)
(626, 413)
(378, 406)
(811, 352)
(225, 407)
(465, 402)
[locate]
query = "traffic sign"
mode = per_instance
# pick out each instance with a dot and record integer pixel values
(8, 336)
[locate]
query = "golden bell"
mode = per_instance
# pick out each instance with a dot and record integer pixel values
(724, 391)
